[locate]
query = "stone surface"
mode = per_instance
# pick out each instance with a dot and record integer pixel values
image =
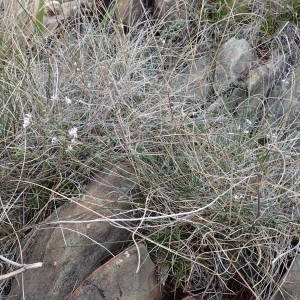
(129, 11)
(233, 63)
(70, 252)
(260, 82)
(290, 289)
(120, 279)
(262, 78)
(54, 14)
(285, 100)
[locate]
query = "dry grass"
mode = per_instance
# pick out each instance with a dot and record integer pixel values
(220, 194)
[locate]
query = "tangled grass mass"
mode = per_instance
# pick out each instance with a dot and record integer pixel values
(215, 158)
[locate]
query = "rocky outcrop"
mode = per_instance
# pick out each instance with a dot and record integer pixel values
(70, 252)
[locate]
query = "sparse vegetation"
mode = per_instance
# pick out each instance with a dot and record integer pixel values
(219, 189)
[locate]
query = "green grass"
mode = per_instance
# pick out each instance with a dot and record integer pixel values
(39, 21)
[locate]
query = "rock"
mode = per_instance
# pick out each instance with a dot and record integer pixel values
(70, 252)
(165, 8)
(260, 82)
(290, 288)
(120, 279)
(285, 101)
(262, 78)
(129, 11)
(233, 64)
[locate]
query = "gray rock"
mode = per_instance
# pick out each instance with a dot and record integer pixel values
(290, 289)
(285, 100)
(233, 64)
(260, 83)
(70, 252)
(262, 78)
(120, 279)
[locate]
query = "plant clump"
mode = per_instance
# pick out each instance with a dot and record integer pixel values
(216, 190)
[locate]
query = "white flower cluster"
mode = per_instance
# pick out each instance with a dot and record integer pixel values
(73, 135)
(27, 120)
(55, 98)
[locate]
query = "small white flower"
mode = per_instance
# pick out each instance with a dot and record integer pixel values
(27, 120)
(73, 134)
(68, 100)
(248, 122)
(54, 140)
(246, 131)
(54, 98)
(272, 136)
(70, 148)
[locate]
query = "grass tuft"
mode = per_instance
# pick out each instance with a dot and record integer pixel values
(218, 191)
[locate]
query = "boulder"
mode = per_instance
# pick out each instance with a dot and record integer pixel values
(128, 276)
(70, 252)
(233, 63)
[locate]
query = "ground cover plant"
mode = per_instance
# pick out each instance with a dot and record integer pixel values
(217, 190)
